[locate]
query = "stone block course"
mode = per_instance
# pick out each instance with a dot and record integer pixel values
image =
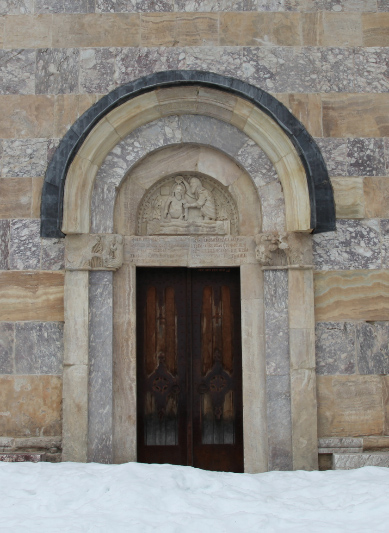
(25, 245)
(16, 7)
(376, 196)
(17, 71)
(351, 295)
(375, 29)
(349, 197)
(24, 158)
(31, 296)
(38, 348)
(33, 405)
(335, 348)
(33, 31)
(64, 6)
(57, 70)
(97, 70)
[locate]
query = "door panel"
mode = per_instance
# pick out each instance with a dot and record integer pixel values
(189, 367)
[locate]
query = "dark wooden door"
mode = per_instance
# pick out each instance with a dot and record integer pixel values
(189, 368)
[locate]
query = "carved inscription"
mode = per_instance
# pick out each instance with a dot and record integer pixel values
(94, 252)
(187, 205)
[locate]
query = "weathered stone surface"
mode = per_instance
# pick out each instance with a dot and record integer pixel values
(341, 30)
(375, 28)
(279, 423)
(66, 113)
(307, 108)
(75, 413)
(97, 68)
(385, 385)
(28, 31)
(38, 347)
(26, 116)
(100, 368)
(376, 193)
(16, 7)
(376, 443)
(349, 197)
(37, 184)
(355, 115)
(334, 152)
(24, 158)
(31, 296)
(22, 457)
(365, 157)
(76, 330)
(57, 71)
(6, 347)
(356, 244)
(273, 207)
(94, 252)
(53, 254)
(355, 295)
(25, 245)
(64, 6)
(371, 66)
(17, 71)
(4, 244)
(348, 461)
(224, 60)
(372, 341)
(15, 198)
(341, 443)
(335, 348)
(349, 405)
(118, 6)
(257, 164)
(384, 226)
(133, 63)
(81, 31)
(33, 405)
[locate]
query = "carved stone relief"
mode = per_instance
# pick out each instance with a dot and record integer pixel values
(94, 252)
(284, 249)
(187, 205)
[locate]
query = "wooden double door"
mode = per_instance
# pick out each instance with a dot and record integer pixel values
(189, 368)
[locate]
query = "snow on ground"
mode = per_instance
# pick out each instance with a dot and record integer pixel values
(73, 497)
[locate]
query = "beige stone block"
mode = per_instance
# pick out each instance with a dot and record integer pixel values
(124, 365)
(178, 100)
(76, 332)
(30, 405)
(76, 214)
(217, 165)
(254, 387)
(376, 191)
(26, 116)
(94, 30)
(349, 197)
(158, 29)
(304, 419)
(349, 406)
(375, 29)
(311, 28)
(134, 113)
(196, 29)
(245, 29)
(126, 208)
(75, 413)
(103, 134)
(307, 108)
(85, 101)
(65, 113)
(15, 197)
(31, 296)
(376, 444)
(28, 31)
(341, 29)
(251, 282)
(286, 29)
(351, 295)
(355, 115)
(215, 103)
(241, 112)
(37, 185)
(248, 203)
(302, 349)
(301, 303)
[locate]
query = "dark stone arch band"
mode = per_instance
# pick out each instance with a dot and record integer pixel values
(319, 185)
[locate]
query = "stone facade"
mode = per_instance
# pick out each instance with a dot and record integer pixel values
(327, 62)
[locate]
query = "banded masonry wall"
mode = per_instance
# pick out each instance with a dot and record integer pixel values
(326, 60)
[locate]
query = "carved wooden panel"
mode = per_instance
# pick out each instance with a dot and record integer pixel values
(189, 367)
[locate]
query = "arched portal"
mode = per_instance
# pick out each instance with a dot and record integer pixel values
(132, 145)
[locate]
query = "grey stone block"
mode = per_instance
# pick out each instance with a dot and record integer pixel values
(17, 71)
(276, 290)
(257, 164)
(38, 347)
(384, 227)
(349, 461)
(335, 348)
(64, 6)
(341, 442)
(25, 245)
(22, 457)
(24, 158)
(223, 60)
(371, 70)
(129, 6)
(373, 348)
(355, 245)
(100, 367)
(57, 71)
(365, 157)
(4, 243)
(279, 423)
(16, 7)
(6, 347)
(53, 254)
(334, 152)
(277, 343)
(97, 66)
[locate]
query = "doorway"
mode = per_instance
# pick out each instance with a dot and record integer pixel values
(189, 367)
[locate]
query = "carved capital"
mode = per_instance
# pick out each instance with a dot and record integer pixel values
(284, 249)
(93, 252)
